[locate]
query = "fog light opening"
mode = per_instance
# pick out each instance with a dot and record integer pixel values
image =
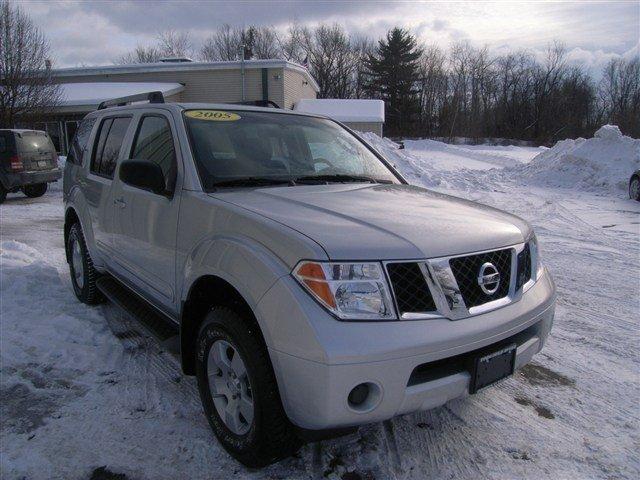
(364, 397)
(358, 395)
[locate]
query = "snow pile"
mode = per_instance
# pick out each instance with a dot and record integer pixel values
(435, 164)
(413, 168)
(602, 163)
(16, 254)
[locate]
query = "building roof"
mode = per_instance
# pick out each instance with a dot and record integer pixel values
(183, 66)
(92, 93)
(344, 110)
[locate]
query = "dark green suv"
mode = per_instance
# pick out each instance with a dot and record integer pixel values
(28, 161)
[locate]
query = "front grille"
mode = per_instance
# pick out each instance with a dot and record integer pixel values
(410, 288)
(524, 267)
(466, 270)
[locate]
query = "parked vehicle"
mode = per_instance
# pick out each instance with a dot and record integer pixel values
(304, 283)
(634, 186)
(28, 162)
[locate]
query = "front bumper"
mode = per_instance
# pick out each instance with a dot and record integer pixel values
(20, 179)
(318, 360)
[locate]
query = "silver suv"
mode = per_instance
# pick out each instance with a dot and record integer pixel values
(304, 283)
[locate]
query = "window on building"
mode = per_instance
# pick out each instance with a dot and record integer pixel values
(154, 142)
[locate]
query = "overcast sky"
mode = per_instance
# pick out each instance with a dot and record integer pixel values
(97, 32)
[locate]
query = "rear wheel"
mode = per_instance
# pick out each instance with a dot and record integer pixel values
(34, 191)
(634, 188)
(239, 392)
(83, 273)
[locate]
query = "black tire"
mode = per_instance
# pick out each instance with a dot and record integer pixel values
(271, 436)
(3, 193)
(84, 283)
(634, 188)
(35, 190)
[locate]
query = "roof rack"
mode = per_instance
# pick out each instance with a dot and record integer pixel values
(259, 103)
(152, 97)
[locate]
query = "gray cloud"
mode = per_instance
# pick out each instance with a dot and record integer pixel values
(97, 32)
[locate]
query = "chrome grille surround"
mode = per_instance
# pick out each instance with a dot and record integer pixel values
(445, 290)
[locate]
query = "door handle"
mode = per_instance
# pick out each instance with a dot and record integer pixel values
(120, 202)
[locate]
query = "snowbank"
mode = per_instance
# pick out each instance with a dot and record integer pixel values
(602, 163)
(435, 164)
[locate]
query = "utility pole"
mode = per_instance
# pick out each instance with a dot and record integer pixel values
(242, 50)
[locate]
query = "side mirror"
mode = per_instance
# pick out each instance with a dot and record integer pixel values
(143, 174)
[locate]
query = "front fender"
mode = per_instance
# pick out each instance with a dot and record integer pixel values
(246, 265)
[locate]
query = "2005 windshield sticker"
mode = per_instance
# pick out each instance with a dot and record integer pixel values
(213, 115)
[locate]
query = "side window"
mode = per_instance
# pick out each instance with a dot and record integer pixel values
(3, 143)
(112, 132)
(80, 139)
(154, 142)
(96, 158)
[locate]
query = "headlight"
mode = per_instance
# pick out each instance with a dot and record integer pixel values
(357, 291)
(536, 264)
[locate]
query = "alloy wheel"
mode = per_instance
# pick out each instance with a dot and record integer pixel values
(230, 387)
(77, 263)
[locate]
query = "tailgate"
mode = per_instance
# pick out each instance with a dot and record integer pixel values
(36, 151)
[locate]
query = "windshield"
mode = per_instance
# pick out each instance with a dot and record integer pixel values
(244, 147)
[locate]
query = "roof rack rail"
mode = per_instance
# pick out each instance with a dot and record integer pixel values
(260, 103)
(152, 97)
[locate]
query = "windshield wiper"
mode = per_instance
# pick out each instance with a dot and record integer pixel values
(338, 177)
(249, 182)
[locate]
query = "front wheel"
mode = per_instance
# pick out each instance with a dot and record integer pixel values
(634, 188)
(35, 191)
(239, 392)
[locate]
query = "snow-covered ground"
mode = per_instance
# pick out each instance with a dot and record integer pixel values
(81, 390)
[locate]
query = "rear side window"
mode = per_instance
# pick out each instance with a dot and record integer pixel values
(80, 139)
(105, 157)
(154, 142)
(3, 144)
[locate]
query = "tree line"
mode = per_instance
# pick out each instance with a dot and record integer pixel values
(429, 91)
(462, 91)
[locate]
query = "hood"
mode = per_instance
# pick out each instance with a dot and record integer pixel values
(383, 222)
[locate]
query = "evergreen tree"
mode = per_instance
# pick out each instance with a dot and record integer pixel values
(393, 71)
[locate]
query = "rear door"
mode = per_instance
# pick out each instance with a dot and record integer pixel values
(109, 140)
(146, 223)
(36, 151)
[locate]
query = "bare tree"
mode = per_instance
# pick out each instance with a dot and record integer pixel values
(223, 45)
(292, 44)
(169, 44)
(141, 54)
(26, 87)
(619, 92)
(173, 44)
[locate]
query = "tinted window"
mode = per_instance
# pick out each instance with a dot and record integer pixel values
(3, 144)
(154, 142)
(99, 145)
(112, 132)
(29, 142)
(79, 143)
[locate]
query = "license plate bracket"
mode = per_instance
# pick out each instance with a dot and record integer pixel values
(491, 367)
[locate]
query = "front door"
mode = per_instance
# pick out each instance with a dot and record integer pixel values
(145, 223)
